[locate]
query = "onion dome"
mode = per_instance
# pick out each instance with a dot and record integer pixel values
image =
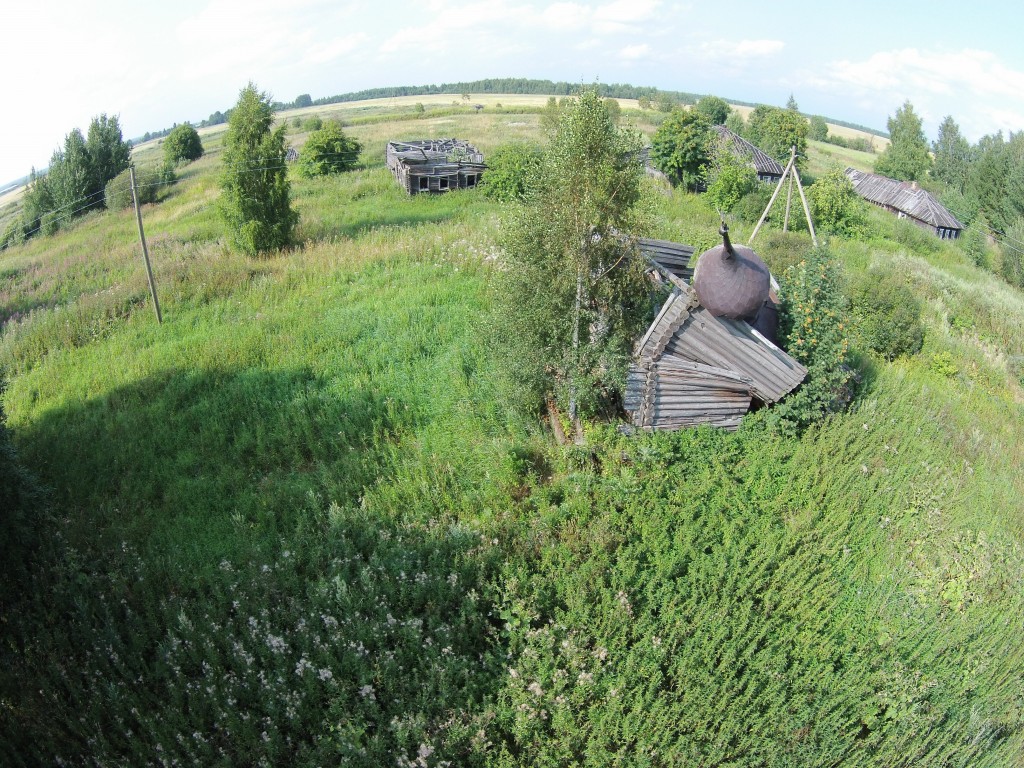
(731, 280)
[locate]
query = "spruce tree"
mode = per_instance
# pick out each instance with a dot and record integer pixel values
(256, 199)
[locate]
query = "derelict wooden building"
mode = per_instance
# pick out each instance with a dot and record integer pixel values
(703, 359)
(766, 166)
(908, 201)
(434, 165)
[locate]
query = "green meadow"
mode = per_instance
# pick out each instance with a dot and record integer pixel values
(299, 522)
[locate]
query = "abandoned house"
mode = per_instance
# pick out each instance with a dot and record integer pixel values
(434, 165)
(908, 201)
(710, 354)
(768, 170)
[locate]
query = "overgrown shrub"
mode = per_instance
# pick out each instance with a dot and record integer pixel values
(13, 234)
(835, 205)
(682, 146)
(815, 326)
(888, 314)
(313, 123)
(49, 223)
(182, 145)
(117, 195)
(328, 150)
(1012, 267)
(782, 250)
(750, 207)
(973, 242)
(729, 179)
(510, 168)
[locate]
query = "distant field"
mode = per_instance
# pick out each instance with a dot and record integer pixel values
(381, 107)
(823, 156)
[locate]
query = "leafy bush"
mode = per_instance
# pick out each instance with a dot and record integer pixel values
(750, 207)
(313, 123)
(814, 323)
(943, 364)
(117, 195)
(888, 314)
(973, 241)
(328, 150)
(835, 205)
(782, 250)
(1012, 267)
(182, 145)
(49, 223)
(682, 146)
(510, 169)
(13, 234)
(730, 180)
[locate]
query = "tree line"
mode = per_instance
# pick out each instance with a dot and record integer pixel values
(92, 171)
(76, 177)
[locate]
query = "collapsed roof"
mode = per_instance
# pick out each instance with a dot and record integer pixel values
(693, 367)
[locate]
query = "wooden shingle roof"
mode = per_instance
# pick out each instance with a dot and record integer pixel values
(694, 368)
(902, 196)
(675, 257)
(763, 163)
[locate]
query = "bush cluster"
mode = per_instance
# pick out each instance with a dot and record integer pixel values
(182, 145)
(117, 195)
(815, 326)
(510, 169)
(887, 313)
(328, 150)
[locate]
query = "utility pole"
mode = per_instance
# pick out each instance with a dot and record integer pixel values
(145, 250)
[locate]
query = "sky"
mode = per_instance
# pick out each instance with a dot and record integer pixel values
(157, 63)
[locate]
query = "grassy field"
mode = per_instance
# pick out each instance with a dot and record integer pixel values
(298, 524)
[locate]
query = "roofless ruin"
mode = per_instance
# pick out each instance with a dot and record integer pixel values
(435, 165)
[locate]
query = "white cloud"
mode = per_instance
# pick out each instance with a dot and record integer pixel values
(932, 71)
(564, 16)
(974, 86)
(635, 52)
(486, 24)
(741, 50)
(324, 53)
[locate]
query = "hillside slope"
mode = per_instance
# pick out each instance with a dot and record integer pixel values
(298, 523)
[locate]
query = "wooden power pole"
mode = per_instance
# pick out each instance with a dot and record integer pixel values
(145, 250)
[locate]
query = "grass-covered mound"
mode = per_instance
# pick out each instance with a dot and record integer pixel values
(298, 524)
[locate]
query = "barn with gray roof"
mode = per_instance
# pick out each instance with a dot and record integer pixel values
(908, 201)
